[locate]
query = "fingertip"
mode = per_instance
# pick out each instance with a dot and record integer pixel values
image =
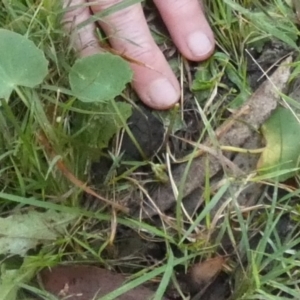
(200, 46)
(128, 33)
(159, 94)
(188, 28)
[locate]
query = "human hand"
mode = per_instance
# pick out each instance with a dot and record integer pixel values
(129, 34)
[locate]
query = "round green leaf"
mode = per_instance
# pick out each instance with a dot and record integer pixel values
(282, 152)
(21, 63)
(99, 77)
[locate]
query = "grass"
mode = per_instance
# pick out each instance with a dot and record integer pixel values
(267, 268)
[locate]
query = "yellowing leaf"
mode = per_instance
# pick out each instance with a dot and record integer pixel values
(282, 135)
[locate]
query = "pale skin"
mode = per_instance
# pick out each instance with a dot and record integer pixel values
(129, 34)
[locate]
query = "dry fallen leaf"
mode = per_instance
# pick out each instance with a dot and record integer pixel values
(204, 272)
(87, 283)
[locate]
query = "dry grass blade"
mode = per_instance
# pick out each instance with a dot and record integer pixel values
(71, 177)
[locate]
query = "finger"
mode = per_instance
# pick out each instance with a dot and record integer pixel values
(83, 39)
(128, 33)
(188, 27)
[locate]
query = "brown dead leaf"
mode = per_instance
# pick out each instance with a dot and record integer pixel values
(203, 273)
(87, 283)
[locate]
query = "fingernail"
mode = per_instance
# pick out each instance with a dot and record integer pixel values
(162, 93)
(199, 43)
